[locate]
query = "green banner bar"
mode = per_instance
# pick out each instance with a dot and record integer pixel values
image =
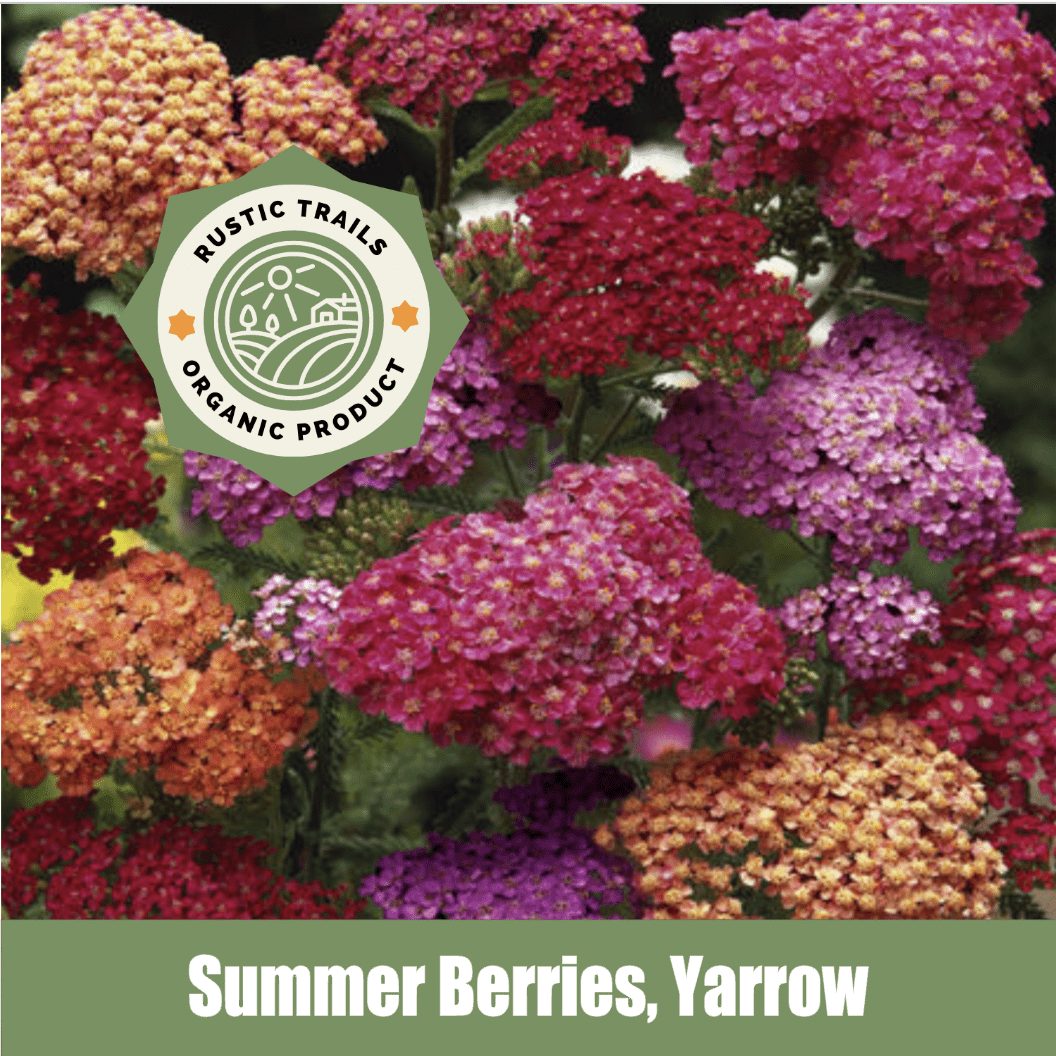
(126, 987)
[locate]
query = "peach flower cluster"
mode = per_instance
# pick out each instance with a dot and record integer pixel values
(288, 101)
(121, 108)
(143, 665)
(869, 823)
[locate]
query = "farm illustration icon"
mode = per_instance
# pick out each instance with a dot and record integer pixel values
(293, 320)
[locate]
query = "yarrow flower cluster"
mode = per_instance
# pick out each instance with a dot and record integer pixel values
(869, 823)
(170, 872)
(424, 54)
(873, 435)
(304, 614)
(545, 628)
(986, 691)
(547, 870)
(141, 665)
(121, 108)
(286, 101)
(911, 119)
(471, 401)
(243, 503)
(557, 147)
(642, 265)
(868, 621)
(74, 422)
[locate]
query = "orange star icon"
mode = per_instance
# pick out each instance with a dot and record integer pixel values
(405, 316)
(181, 324)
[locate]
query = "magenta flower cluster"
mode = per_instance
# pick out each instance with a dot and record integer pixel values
(543, 627)
(873, 435)
(470, 401)
(868, 621)
(304, 613)
(911, 120)
(422, 54)
(547, 870)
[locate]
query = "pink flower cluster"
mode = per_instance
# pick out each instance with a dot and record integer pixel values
(986, 691)
(304, 613)
(912, 120)
(642, 265)
(243, 503)
(868, 621)
(424, 53)
(169, 872)
(544, 629)
(471, 401)
(557, 147)
(873, 435)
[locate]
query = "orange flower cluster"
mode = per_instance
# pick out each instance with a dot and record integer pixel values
(121, 108)
(287, 101)
(142, 665)
(869, 823)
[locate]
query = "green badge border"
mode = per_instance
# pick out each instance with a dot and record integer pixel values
(294, 473)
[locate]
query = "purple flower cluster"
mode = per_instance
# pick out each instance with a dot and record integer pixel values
(552, 800)
(303, 612)
(868, 621)
(470, 401)
(243, 504)
(548, 870)
(874, 435)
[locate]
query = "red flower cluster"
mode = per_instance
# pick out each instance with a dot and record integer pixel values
(557, 147)
(546, 628)
(424, 52)
(643, 265)
(74, 416)
(170, 872)
(911, 119)
(141, 666)
(1027, 839)
(986, 691)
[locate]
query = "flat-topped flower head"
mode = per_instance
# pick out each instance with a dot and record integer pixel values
(169, 872)
(121, 108)
(874, 434)
(145, 665)
(869, 823)
(643, 265)
(913, 121)
(492, 629)
(74, 422)
(424, 53)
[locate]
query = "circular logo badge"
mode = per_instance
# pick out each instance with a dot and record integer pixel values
(292, 319)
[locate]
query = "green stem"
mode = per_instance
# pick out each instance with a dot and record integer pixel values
(638, 375)
(383, 108)
(889, 298)
(574, 436)
(614, 428)
(836, 289)
(445, 152)
(507, 465)
(542, 453)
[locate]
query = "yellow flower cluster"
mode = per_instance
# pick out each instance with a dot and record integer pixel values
(141, 665)
(121, 108)
(287, 101)
(869, 823)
